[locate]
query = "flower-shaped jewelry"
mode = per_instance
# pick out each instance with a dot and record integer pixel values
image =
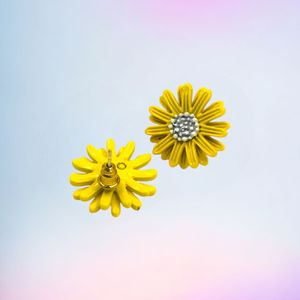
(185, 128)
(110, 179)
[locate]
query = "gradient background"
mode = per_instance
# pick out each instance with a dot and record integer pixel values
(78, 72)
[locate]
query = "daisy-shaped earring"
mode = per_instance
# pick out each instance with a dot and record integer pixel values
(111, 179)
(185, 128)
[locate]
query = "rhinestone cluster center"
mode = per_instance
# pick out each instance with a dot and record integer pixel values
(184, 126)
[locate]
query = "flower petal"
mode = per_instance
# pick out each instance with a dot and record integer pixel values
(175, 154)
(84, 164)
(141, 161)
(124, 194)
(160, 114)
(95, 204)
(144, 175)
(216, 144)
(223, 125)
(90, 192)
(214, 111)
(115, 205)
(156, 121)
(155, 139)
(77, 179)
(141, 188)
(214, 105)
(127, 151)
(106, 197)
(185, 96)
(200, 100)
(191, 154)
(93, 153)
(76, 194)
(213, 131)
(136, 202)
(164, 102)
(163, 144)
(201, 141)
(169, 101)
(202, 157)
(157, 130)
(167, 152)
(184, 162)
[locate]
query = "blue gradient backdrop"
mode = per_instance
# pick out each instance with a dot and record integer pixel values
(77, 72)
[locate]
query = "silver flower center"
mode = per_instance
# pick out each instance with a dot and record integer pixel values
(184, 126)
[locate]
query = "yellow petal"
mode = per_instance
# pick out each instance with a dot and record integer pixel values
(167, 152)
(214, 111)
(183, 161)
(216, 144)
(205, 145)
(90, 192)
(200, 100)
(156, 121)
(215, 114)
(163, 144)
(213, 131)
(95, 204)
(223, 125)
(76, 194)
(160, 114)
(163, 101)
(144, 175)
(83, 164)
(141, 161)
(185, 95)
(141, 188)
(214, 105)
(83, 179)
(191, 154)
(136, 202)
(202, 157)
(169, 101)
(175, 155)
(155, 138)
(127, 151)
(115, 205)
(124, 194)
(93, 153)
(101, 156)
(105, 201)
(158, 130)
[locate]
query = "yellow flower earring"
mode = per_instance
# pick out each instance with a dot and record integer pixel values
(185, 128)
(110, 179)
(184, 134)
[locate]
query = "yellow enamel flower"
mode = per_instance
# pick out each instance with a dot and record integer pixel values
(185, 128)
(110, 178)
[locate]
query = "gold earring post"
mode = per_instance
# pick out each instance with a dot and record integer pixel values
(109, 177)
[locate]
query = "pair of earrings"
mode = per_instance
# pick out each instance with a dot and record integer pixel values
(184, 134)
